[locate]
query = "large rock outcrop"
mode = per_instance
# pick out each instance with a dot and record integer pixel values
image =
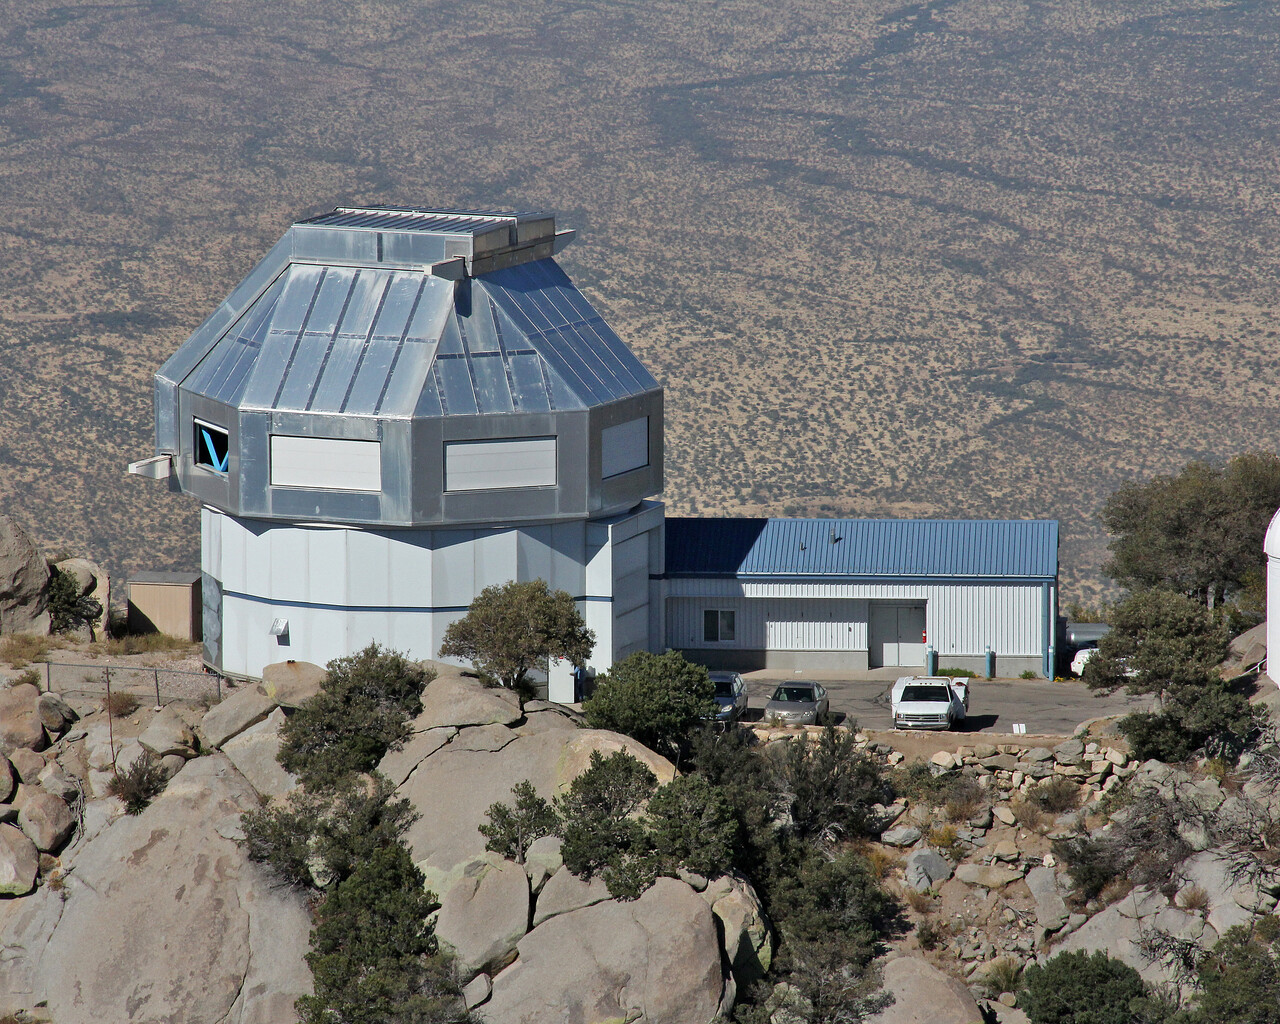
(255, 753)
(922, 994)
(572, 949)
(451, 700)
(20, 723)
(161, 917)
(748, 940)
(483, 917)
(655, 959)
(24, 582)
(289, 683)
(19, 862)
(454, 784)
(247, 706)
(44, 817)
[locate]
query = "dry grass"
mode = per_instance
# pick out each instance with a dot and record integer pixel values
(1055, 796)
(1114, 891)
(921, 902)
(965, 798)
(1001, 975)
(139, 784)
(879, 860)
(1195, 898)
(142, 643)
(945, 839)
(21, 649)
(27, 677)
(1029, 815)
(931, 934)
(120, 705)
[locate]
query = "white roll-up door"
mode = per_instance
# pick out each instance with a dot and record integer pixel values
(325, 462)
(495, 465)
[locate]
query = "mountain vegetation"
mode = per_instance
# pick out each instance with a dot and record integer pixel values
(512, 628)
(1198, 532)
(374, 958)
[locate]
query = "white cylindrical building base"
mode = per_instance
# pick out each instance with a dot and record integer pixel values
(279, 591)
(1272, 547)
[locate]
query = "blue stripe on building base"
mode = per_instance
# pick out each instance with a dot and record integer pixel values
(324, 606)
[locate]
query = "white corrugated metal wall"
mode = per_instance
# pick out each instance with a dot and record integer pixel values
(340, 588)
(961, 618)
(630, 595)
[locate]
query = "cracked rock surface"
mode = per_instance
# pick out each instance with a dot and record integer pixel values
(161, 917)
(656, 959)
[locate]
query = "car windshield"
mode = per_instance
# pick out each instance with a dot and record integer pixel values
(794, 695)
(724, 687)
(929, 694)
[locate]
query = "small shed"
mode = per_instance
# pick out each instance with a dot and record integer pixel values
(860, 594)
(165, 602)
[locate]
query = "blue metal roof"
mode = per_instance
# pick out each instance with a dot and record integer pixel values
(981, 548)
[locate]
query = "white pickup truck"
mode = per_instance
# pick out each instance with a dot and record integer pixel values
(929, 702)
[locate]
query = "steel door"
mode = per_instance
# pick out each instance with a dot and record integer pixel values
(895, 635)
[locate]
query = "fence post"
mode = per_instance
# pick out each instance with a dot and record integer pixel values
(156, 672)
(111, 727)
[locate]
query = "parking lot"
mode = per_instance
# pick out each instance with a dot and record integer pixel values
(995, 705)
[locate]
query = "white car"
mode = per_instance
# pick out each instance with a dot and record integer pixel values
(1081, 659)
(929, 702)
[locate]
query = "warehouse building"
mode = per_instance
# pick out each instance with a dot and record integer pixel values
(855, 594)
(399, 407)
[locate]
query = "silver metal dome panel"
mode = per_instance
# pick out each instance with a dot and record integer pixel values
(367, 318)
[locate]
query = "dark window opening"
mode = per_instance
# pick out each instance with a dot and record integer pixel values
(212, 447)
(718, 626)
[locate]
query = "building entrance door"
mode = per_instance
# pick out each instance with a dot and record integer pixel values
(895, 635)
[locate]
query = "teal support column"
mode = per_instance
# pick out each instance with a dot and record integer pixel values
(1046, 604)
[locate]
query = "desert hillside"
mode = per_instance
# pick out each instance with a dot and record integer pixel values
(956, 258)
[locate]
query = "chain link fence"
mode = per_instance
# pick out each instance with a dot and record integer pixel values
(161, 685)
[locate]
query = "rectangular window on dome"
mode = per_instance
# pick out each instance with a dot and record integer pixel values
(212, 447)
(325, 463)
(497, 465)
(624, 447)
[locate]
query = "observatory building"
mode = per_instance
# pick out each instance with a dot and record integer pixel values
(400, 407)
(394, 410)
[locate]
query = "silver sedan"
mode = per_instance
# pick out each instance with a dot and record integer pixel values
(803, 703)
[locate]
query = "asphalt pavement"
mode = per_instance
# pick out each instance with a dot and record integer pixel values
(995, 705)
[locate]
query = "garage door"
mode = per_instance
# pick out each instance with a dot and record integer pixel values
(896, 635)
